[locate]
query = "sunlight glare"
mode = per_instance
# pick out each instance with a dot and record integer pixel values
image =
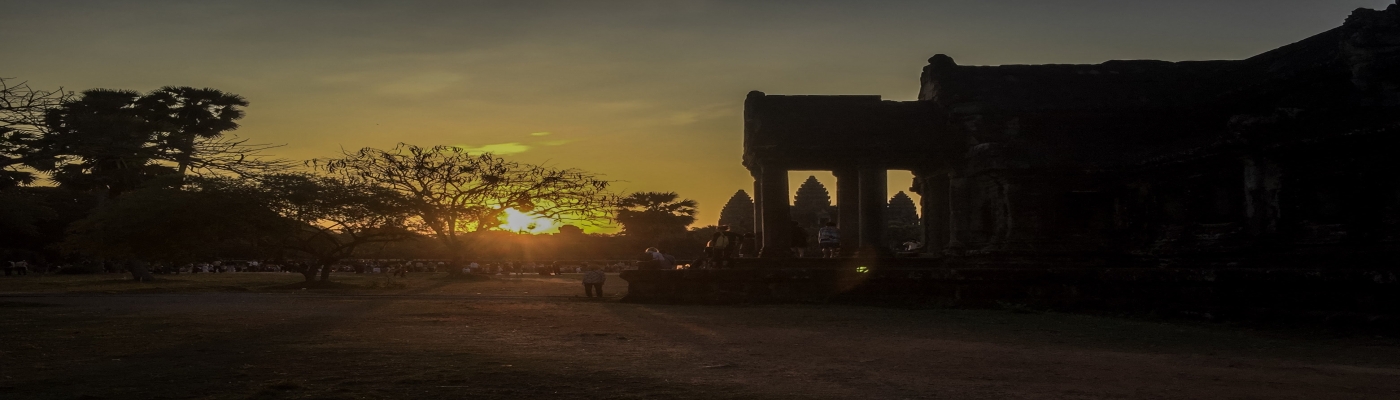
(516, 221)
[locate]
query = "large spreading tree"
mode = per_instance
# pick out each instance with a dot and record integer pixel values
(329, 217)
(454, 193)
(321, 218)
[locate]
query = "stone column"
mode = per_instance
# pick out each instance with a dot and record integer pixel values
(957, 214)
(777, 218)
(1261, 190)
(873, 189)
(848, 209)
(932, 187)
(757, 204)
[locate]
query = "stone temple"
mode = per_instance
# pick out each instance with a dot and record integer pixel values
(1279, 167)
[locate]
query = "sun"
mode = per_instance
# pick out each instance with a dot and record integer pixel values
(516, 221)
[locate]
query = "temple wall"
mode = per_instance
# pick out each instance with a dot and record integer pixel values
(1197, 187)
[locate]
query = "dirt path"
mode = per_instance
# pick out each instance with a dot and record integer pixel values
(437, 344)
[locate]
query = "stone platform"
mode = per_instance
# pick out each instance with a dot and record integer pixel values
(1356, 294)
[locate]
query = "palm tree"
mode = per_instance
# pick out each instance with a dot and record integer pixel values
(655, 214)
(187, 116)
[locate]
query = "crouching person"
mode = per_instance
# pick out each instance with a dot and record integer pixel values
(593, 281)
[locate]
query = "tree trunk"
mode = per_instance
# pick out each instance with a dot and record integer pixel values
(326, 271)
(308, 272)
(186, 154)
(454, 250)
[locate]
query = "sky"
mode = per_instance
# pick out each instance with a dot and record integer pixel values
(648, 93)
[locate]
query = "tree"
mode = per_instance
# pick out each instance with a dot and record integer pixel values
(21, 123)
(37, 220)
(654, 214)
(173, 224)
(191, 125)
(22, 111)
(20, 214)
(186, 114)
(330, 217)
(324, 218)
(454, 193)
(738, 213)
(99, 141)
(115, 140)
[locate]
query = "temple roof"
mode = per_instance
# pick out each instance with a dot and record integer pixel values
(1116, 113)
(1126, 85)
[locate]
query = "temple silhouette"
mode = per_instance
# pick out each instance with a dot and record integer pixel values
(1208, 183)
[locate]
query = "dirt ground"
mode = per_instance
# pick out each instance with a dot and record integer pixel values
(224, 337)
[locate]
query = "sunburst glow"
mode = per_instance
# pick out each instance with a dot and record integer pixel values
(516, 221)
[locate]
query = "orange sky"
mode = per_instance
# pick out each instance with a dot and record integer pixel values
(646, 92)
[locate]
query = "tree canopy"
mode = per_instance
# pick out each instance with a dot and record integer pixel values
(173, 224)
(22, 111)
(453, 192)
(654, 214)
(115, 140)
(330, 217)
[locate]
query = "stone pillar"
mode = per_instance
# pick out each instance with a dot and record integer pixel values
(777, 218)
(932, 187)
(1261, 190)
(957, 214)
(873, 189)
(848, 209)
(757, 205)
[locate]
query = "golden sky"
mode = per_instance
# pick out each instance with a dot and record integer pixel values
(646, 92)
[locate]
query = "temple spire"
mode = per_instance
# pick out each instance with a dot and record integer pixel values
(738, 213)
(812, 195)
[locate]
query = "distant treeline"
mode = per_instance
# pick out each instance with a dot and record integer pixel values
(159, 179)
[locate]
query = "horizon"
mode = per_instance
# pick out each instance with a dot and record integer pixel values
(649, 94)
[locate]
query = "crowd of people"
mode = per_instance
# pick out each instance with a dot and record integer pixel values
(720, 251)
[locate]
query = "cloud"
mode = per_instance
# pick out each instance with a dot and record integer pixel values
(540, 133)
(556, 142)
(497, 148)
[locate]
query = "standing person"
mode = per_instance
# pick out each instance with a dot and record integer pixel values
(799, 240)
(829, 239)
(593, 281)
(722, 246)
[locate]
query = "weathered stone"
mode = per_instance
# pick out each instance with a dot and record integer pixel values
(1247, 183)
